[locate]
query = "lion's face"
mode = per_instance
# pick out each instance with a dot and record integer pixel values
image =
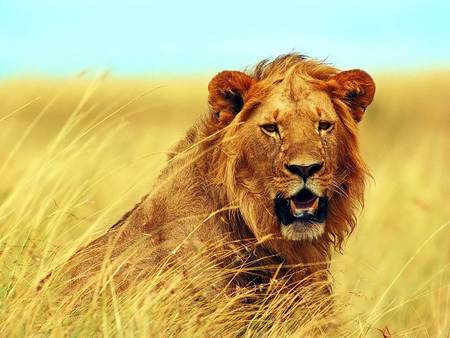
(287, 148)
(293, 154)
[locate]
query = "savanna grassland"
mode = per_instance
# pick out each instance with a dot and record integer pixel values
(76, 153)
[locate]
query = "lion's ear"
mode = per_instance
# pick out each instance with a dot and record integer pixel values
(227, 94)
(356, 88)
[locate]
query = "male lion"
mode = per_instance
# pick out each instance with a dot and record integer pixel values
(275, 162)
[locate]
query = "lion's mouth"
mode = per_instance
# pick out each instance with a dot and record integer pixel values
(304, 207)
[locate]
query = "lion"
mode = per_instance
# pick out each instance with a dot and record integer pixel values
(274, 164)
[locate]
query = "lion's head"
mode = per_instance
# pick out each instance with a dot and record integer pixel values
(289, 149)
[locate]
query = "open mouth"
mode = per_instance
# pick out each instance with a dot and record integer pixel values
(304, 207)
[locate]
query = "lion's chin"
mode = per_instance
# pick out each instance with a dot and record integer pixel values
(300, 231)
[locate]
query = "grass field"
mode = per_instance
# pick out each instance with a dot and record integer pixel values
(75, 154)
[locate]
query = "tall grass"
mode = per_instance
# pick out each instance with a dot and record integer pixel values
(77, 153)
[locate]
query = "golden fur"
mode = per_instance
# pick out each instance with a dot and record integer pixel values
(218, 188)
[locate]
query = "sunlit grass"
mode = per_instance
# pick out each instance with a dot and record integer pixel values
(75, 154)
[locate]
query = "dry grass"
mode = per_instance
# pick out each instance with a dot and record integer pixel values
(75, 154)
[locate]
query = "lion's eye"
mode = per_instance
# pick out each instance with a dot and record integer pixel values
(270, 128)
(325, 125)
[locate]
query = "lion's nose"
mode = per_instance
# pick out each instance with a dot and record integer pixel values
(304, 171)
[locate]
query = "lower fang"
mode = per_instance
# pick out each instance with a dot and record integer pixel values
(296, 212)
(315, 205)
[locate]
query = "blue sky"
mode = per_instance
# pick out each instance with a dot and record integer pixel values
(143, 37)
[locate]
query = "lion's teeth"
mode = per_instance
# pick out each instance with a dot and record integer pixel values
(315, 204)
(296, 212)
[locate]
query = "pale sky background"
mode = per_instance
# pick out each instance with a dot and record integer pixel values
(145, 37)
